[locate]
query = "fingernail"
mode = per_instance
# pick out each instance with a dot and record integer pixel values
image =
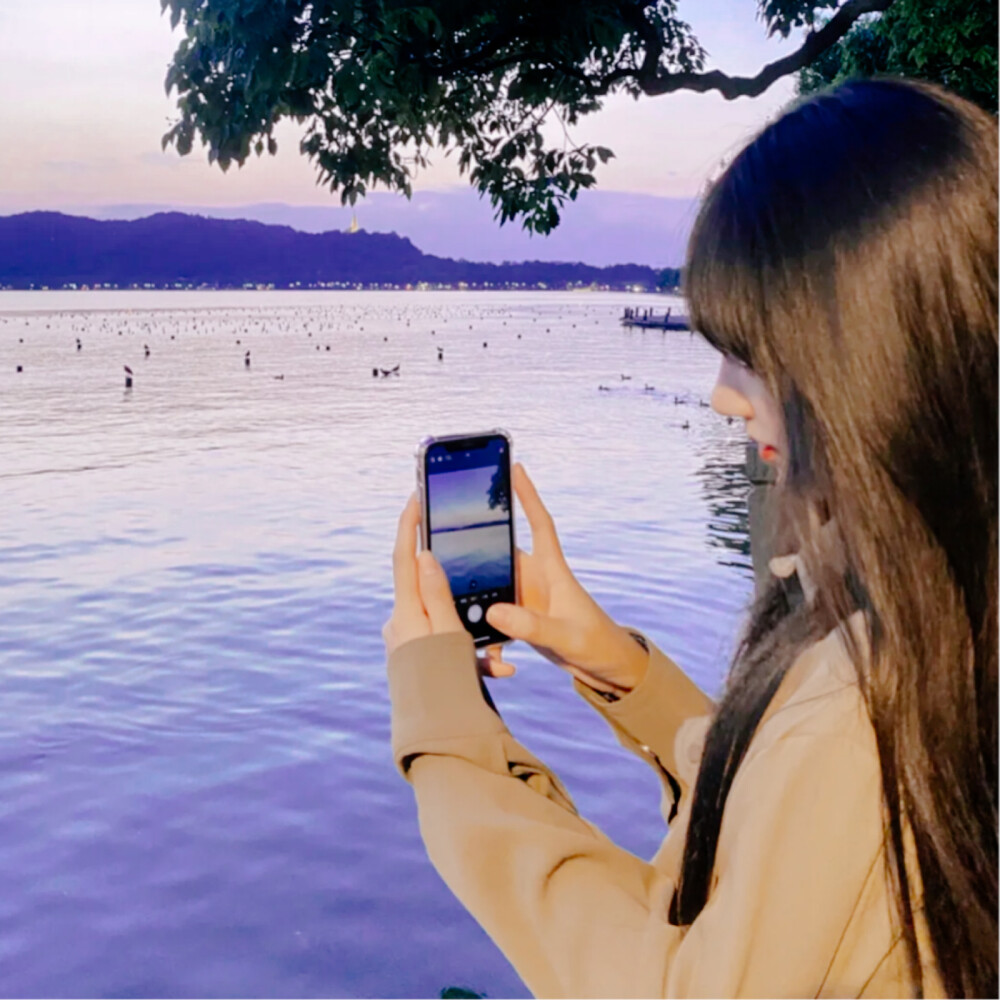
(496, 615)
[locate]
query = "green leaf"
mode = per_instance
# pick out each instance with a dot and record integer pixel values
(378, 84)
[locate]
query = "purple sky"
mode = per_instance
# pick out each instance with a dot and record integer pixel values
(84, 111)
(459, 499)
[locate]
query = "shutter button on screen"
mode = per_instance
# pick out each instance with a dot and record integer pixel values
(474, 613)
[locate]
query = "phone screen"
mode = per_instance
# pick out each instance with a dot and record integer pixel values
(470, 525)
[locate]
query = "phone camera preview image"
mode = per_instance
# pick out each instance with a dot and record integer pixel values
(470, 526)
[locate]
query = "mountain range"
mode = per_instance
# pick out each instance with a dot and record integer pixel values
(171, 249)
(598, 227)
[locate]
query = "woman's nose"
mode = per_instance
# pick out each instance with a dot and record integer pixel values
(727, 398)
(730, 403)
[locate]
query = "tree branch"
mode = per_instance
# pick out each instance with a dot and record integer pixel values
(634, 15)
(649, 76)
(731, 87)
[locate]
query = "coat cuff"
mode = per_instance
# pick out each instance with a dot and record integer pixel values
(438, 703)
(654, 710)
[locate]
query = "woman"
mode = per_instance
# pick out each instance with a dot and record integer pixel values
(833, 820)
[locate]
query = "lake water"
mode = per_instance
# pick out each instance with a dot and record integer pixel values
(196, 792)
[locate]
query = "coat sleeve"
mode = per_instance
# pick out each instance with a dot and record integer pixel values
(579, 916)
(650, 718)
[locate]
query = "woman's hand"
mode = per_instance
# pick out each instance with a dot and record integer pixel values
(424, 605)
(557, 616)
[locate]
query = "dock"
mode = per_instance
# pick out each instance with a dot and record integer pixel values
(646, 319)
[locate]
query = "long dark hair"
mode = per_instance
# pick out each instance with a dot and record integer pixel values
(848, 255)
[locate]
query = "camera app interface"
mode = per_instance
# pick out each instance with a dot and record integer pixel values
(470, 517)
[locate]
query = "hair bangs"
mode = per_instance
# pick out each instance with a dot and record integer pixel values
(721, 282)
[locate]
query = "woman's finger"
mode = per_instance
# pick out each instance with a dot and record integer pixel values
(404, 556)
(435, 593)
(538, 630)
(501, 668)
(492, 664)
(522, 569)
(544, 539)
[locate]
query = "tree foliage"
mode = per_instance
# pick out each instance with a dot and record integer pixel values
(498, 494)
(951, 42)
(669, 279)
(380, 83)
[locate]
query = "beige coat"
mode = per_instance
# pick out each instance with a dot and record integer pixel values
(799, 904)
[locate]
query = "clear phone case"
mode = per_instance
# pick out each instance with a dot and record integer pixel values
(483, 634)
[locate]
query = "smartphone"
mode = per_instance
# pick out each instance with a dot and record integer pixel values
(467, 507)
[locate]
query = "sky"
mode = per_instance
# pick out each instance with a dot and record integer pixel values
(84, 109)
(459, 499)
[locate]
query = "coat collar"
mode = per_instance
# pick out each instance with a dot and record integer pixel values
(825, 548)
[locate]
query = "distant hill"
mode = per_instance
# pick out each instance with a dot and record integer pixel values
(174, 249)
(599, 227)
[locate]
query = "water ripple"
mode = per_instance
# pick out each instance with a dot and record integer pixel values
(196, 790)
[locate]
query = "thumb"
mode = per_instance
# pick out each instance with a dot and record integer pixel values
(538, 630)
(435, 592)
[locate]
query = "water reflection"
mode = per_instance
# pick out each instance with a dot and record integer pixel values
(726, 490)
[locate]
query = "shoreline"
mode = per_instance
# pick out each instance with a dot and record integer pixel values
(136, 307)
